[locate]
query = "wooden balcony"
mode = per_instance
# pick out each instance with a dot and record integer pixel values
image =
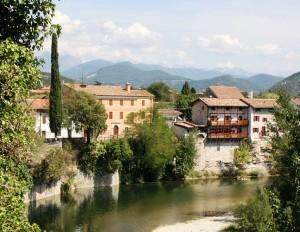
(243, 122)
(241, 135)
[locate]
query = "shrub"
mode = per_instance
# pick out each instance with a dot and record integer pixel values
(241, 154)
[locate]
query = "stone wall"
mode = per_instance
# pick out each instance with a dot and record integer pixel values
(43, 191)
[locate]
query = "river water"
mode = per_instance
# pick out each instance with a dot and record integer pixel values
(141, 207)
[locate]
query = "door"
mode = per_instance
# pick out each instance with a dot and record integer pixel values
(116, 131)
(263, 131)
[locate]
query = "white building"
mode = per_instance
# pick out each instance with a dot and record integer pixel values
(260, 115)
(40, 107)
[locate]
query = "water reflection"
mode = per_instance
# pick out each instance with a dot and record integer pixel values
(141, 207)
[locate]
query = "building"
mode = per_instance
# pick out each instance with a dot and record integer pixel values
(170, 115)
(119, 102)
(224, 92)
(40, 108)
(223, 118)
(260, 115)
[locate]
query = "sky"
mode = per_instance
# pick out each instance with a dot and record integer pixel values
(260, 36)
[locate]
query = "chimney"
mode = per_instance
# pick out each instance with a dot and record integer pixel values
(127, 86)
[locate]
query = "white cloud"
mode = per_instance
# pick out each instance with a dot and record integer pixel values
(219, 43)
(227, 64)
(134, 35)
(68, 25)
(269, 49)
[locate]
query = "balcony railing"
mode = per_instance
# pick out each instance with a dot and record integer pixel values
(212, 135)
(243, 122)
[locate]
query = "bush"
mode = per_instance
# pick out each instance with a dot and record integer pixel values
(256, 215)
(52, 167)
(105, 157)
(241, 155)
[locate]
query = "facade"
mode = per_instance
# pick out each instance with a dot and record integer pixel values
(39, 108)
(119, 102)
(222, 118)
(260, 112)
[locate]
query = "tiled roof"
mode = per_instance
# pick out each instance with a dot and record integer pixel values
(110, 90)
(45, 89)
(223, 102)
(260, 103)
(38, 104)
(296, 101)
(185, 124)
(169, 112)
(230, 92)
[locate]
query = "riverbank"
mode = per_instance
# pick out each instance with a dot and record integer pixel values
(206, 224)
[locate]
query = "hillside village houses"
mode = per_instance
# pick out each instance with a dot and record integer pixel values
(118, 101)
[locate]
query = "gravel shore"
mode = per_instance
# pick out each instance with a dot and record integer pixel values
(206, 224)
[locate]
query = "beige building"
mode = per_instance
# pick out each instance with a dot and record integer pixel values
(260, 112)
(119, 102)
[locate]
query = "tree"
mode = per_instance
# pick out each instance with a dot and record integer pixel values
(186, 89)
(18, 74)
(27, 22)
(153, 147)
(193, 90)
(161, 91)
(184, 104)
(86, 112)
(55, 107)
(184, 159)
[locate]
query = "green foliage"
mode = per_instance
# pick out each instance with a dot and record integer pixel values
(277, 209)
(186, 89)
(51, 168)
(26, 22)
(241, 154)
(161, 91)
(55, 101)
(14, 182)
(153, 146)
(18, 74)
(184, 159)
(256, 215)
(86, 112)
(105, 157)
(268, 95)
(193, 90)
(184, 104)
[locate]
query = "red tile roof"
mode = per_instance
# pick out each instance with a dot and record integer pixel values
(231, 92)
(185, 124)
(260, 103)
(110, 90)
(169, 112)
(222, 102)
(38, 104)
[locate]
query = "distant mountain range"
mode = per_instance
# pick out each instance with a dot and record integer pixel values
(291, 84)
(102, 71)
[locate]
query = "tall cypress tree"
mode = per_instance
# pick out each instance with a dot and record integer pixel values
(55, 108)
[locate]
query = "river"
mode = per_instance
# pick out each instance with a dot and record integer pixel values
(140, 207)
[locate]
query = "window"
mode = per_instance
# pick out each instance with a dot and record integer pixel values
(121, 115)
(255, 130)
(227, 118)
(213, 108)
(218, 148)
(265, 119)
(256, 118)
(240, 117)
(121, 102)
(227, 108)
(143, 102)
(132, 102)
(202, 107)
(100, 100)
(44, 119)
(110, 102)
(44, 134)
(110, 115)
(240, 108)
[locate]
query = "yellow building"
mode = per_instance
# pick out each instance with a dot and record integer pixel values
(118, 102)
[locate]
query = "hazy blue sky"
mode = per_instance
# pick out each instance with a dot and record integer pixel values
(256, 35)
